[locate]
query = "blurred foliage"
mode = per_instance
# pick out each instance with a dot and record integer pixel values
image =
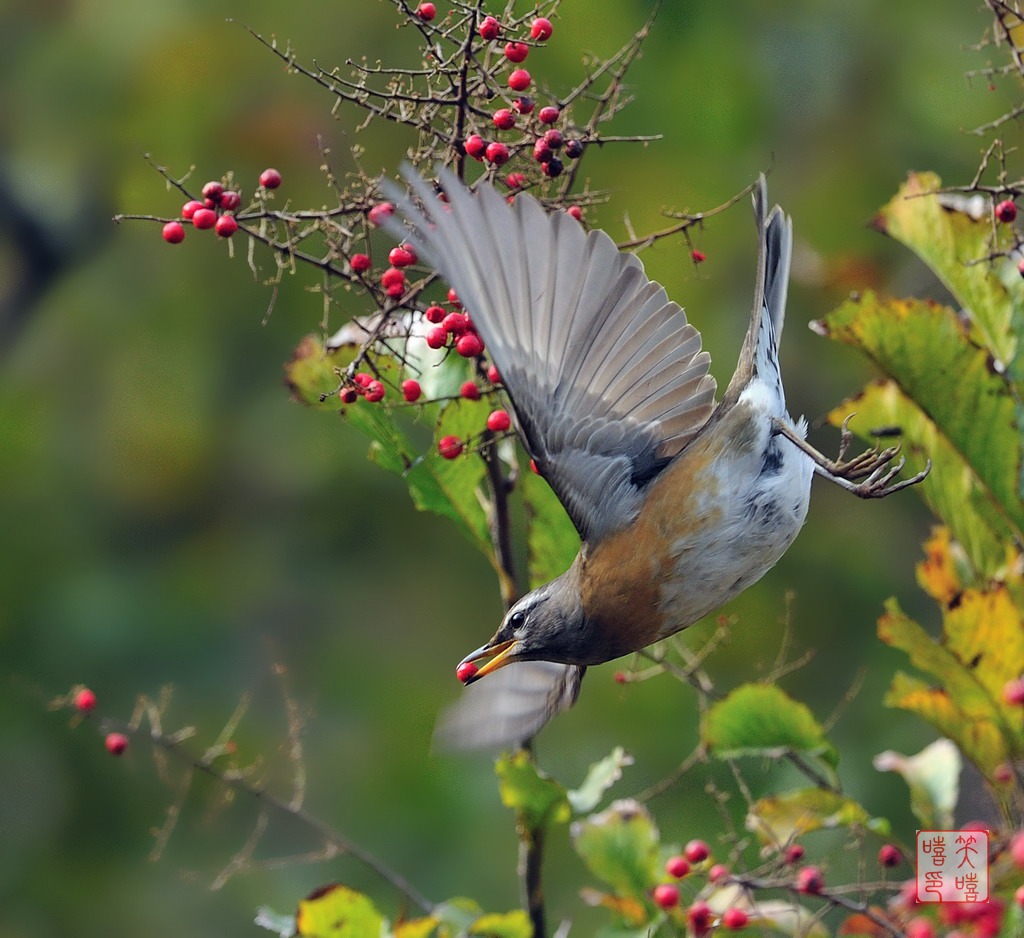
(171, 516)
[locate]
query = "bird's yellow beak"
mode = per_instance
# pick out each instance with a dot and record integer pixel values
(500, 654)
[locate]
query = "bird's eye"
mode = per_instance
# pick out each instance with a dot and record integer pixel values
(517, 620)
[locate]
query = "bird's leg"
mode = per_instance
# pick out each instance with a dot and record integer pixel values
(869, 474)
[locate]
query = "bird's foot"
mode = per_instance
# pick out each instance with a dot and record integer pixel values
(870, 474)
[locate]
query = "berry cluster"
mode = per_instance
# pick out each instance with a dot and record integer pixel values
(216, 209)
(83, 700)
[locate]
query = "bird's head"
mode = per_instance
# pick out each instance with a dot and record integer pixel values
(547, 624)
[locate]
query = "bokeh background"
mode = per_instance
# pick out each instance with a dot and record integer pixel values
(170, 517)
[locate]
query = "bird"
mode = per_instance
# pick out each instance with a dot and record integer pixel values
(681, 501)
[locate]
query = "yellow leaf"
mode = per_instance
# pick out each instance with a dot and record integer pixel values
(937, 574)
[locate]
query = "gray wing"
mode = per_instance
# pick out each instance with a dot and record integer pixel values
(509, 707)
(606, 376)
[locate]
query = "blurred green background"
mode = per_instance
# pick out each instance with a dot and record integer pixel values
(169, 516)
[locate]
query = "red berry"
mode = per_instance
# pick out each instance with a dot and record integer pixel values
(718, 872)
(1006, 211)
(174, 232)
(488, 28)
(517, 52)
(453, 297)
(380, 213)
(116, 743)
(1018, 896)
(437, 337)
(676, 866)
(362, 379)
(534, 468)
(497, 153)
(515, 180)
(553, 167)
(573, 149)
(553, 138)
(348, 395)
(449, 447)
(575, 211)
(230, 201)
(434, 314)
(465, 671)
(84, 701)
(270, 178)
(1017, 848)
(541, 29)
(401, 256)
(696, 851)
(809, 881)
(620, 677)
(375, 392)
(735, 919)
(190, 208)
(519, 80)
(541, 151)
(548, 115)
(794, 853)
(475, 146)
(360, 263)
(455, 323)
(469, 345)
(213, 190)
(204, 218)
(470, 391)
(921, 927)
(1013, 692)
(524, 104)
(504, 118)
(499, 421)
(226, 226)
(492, 374)
(411, 390)
(889, 855)
(1002, 774)
(1020, 268)
(699, 917)
(209, 203)
(426, 12)
(698, 256)
(666, 895)
(392, 276)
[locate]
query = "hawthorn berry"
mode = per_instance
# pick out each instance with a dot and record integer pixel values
(534, 468)
(548, 115)
(455, 323)
(497, 153)
(735, 919)
(620, 677)
(475, 146)
(553, 138)
(348, 395)
(697, 851)
(426, 12)
(174, 232)
(1018, 896)
(541, 151)
(230, 200)
(1017, 848)
(449, 447)
(190, 208)
(718, 872)
(204, 218)
(492, 374)
(499, 421)
(1006, 211)
(809, 881)
(699, 917)
(889, 855)
(380, 213)
(921, 927)
(1013, 691)
(516, 51)
(402, 256)
(524, 104)
(519, 80)
(375, 391)
(411, 390)
(488, 28)
(116, 743)
(553, 167)
(470, 391)
(575, 211)
(675, 866)
(226, 226)
(360, 263)
(465, 671)
(666, 895)
(469, 345)
(270, 178)
(393, 281)
(362, 378)
(541, 29)
(515, 180)
(437, 337)
(573, 149)
(434, 314)
(84, 701)
(453, 297)
(698, 256)
(504, 118)
(794, 853)
(213, 190)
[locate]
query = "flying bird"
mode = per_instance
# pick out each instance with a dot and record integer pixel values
(681, 502)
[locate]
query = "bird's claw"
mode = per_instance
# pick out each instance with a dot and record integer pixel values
(869, 474)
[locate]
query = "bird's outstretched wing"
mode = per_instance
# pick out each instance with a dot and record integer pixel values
(606, 376)
(510, 707)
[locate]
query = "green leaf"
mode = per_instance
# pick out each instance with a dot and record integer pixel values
(600, 777)
(933, 777)
(337, 912)
(537, 799)
(553, 541)
(781, 819)
(760, 719)
(514, 924)
(620, 847)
